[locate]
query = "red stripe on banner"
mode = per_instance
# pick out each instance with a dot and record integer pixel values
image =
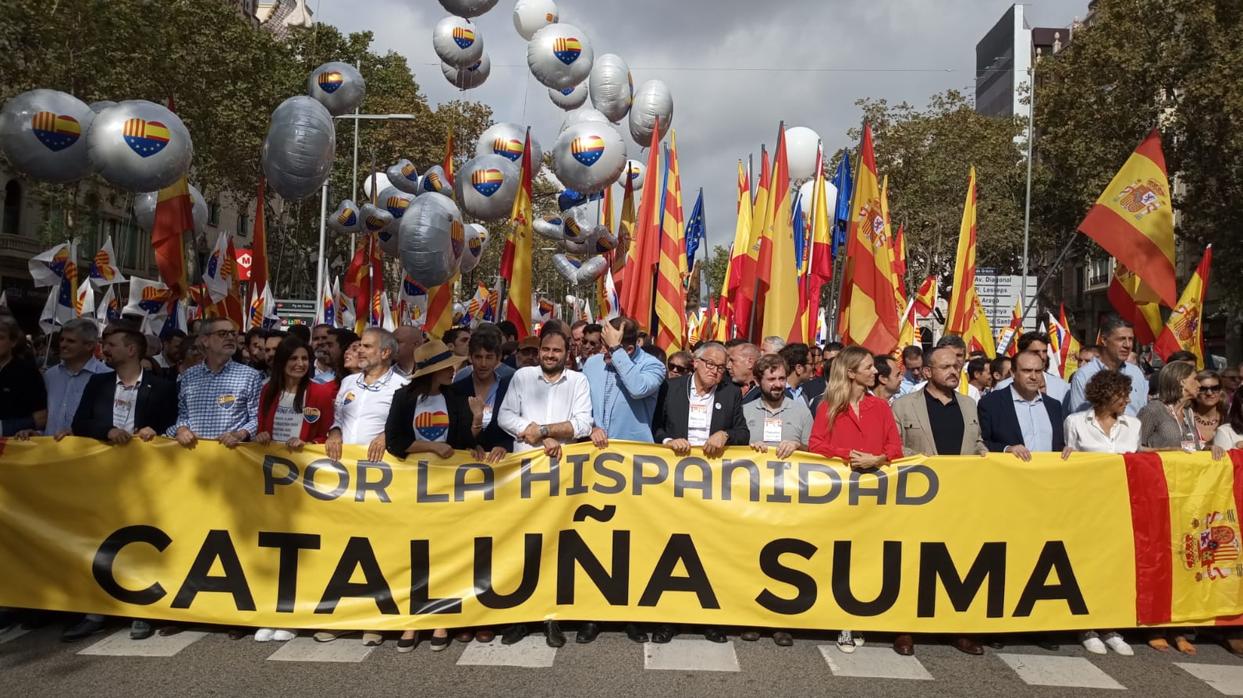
(1150, 519)
(1237, 458)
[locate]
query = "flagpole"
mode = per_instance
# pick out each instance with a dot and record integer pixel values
(319, 268)
(840, 286)
(1027, 207)
(358, 64)
(1049, 275)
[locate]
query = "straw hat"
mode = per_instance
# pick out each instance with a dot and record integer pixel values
(434, 355)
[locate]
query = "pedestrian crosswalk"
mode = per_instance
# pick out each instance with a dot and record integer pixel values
(1069, 668)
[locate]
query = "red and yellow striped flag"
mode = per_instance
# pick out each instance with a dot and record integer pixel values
(869, 317)
(926, 297)
(645, 245)
(670, 293)
(740, 251)
(1069, 347)
(516, 259)
(779, 280)
(1135, 303)
(173, 219)
(1184, 330)
(745, 304)
(962, 294)
(820, 268)
(1133, 219)
(440, 309)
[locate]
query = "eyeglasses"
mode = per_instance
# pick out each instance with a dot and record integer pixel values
(1209, 389)
(715, 368)
(679, 368)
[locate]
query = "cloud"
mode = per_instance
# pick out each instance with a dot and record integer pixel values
(735, 68)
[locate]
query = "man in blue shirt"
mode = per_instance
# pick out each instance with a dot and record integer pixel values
(1117, 343)
(624, 383)
(66, 380)
(219, 398)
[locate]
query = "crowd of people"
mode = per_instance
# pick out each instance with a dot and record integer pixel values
(481, 390)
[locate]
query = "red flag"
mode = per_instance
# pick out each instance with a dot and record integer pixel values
(745, 298)
(259, 248)
(516, 261)
(173, 218)
(447, 165)
(637, 293)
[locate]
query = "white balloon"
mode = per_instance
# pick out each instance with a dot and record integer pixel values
(531, 16)
(807, 193)
(458, 42)
(581, 116)
(470, 77)
(612, 87)
(802, 146)
(560, 56)
(570, 97)
(43, 133)
(381, 183)
(651, 100)
(338, 86)
(589, 156)
(468, 8)
(486, 186)
(634, 171)
(144, 209)
(506, 139)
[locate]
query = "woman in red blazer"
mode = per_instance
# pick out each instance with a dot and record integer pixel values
(292, 409)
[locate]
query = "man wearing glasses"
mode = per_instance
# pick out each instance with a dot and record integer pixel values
(219, 398)
(1117, 343)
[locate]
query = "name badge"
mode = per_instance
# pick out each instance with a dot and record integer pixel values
(772, 429)
(698, 416)
(487, 415)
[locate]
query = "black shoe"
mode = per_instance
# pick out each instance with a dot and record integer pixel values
(1048, 643)
(440, 643)
(587, 632)
(553, 635)
(514, 633)
(168, 630)
(84, 629)
(750, 635)
(783, 639)
(635, 633)
(140, 630)
(238, 633)
(714, 634)
(663, 633)
(405, 645)
(7, 620)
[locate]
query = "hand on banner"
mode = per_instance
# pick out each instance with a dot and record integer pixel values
(332, 446)
(186, 438)
(715, 445)
(1020, 452)
(786, 448)
(1218, 453)
(599, 437)
(263, 438)
(146, 433)
(552, 448)
(61, 434)
(119, 436)
(680, 447)
(493, 456)
(26, 434)
(1066, 453)
(375, 449)
(231, 439)
(531, 436)
(442, 450)
(864, 461)
(294, 443)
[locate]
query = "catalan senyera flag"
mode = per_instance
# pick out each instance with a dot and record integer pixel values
(1008, 341)
(926, 297)
(732, 287)
(780, 280)
(962, 294)
(869, 316)
(1184, 330)
(1068, 350)
(516, 259)
(104, 270)
(1133, 219)
(979, 334)
(671, 270)
(637, 291)
(440, 308)
(173, 218)
(1135, 303)
(1185, 514)
(259, 248)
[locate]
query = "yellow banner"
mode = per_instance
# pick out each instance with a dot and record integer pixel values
(266, 537)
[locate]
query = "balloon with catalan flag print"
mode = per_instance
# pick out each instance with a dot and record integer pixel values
(506, 139)
(486, 186)
(560, 56)
(569, 98)
(458, 42)
(139, 146)
(589, 156)
(43, 133)
(347, 219)
(432, 238)
(404, 176)
(338, 86)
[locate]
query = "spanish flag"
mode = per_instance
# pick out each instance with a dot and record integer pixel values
(820, 269)
(671, 270)
(645, 245)
(1009, 341)
(1135, 303)
(1133, 220)
(779, 280)
(626, 249)
(1185, 512)
(741, 271)
(962, 294)
(516, 259)
(752, 306)
(1184, 330)
(870, 316)
(1069, 347)
(173, 219)
(979, 333)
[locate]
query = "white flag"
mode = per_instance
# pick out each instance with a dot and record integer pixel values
(109, 308)
(85, 302)
(386, 314)
(147, 298)
(104, 270)
(50, 266)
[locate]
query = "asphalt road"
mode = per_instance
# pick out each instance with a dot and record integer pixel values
(36, 663)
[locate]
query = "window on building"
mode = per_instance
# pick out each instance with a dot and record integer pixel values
(213, 213)
(1098, 272)
(12, 220)
(243, 225)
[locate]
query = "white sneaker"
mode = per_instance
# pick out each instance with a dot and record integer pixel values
(845, 642)
(1117, 644)
(283, 635)
(264, 634)
(1092, 642)
(858, 639)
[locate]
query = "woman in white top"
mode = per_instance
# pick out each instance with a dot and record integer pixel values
(1230, 434)
(1104, 428)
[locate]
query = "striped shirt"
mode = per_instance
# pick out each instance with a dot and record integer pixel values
(211, 404)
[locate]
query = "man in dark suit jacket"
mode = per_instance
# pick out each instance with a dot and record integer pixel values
(110, 400)
(701, 409)
(804, 384)
(1011, 419)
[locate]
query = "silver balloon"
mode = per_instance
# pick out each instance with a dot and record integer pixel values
(144, 209)
(395, 201)
(588, 157)
(338, 86)
(612, 88)
(432, 240)
(651, 100)
(458, 42)
(139, 146)
(570, 97)
(579, 272)
(101, 105)
(476, 240)
(434, 181)
(551, 227)
(531, 16)
(506, 139)
(486, 187)
(43, 133)
(388, 239)
(347, 219)
(403, 176)
(635, 171)
(559, 56)
(468, 8)
(471, 76)
(375, 218)
(300, 147)
(581, 116)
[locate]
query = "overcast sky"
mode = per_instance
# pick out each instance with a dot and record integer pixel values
(735, 68)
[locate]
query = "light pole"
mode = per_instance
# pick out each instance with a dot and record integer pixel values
(1027, 207)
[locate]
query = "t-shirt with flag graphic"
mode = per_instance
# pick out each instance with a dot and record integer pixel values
(431, 419)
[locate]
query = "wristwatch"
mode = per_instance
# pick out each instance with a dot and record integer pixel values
(543, 431)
